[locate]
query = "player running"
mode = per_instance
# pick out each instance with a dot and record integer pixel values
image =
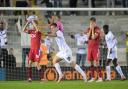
(112, 53)
(64, 52)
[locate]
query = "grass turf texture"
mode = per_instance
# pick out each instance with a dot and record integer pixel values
(78, 84)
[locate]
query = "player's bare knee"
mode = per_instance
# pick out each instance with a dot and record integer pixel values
(54, 61)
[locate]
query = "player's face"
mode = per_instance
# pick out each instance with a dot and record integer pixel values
(105, 31)
(52, 28)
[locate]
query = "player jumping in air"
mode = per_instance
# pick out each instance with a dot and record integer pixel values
(64, 52)
(112, 53)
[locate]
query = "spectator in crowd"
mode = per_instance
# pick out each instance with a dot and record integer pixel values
(3, 40)
(125, 5)
(25, 42)
(11, 61)
(48, 3)
(60, 24)
(21, 3)
(110, 3)
(4, 3)
(93, 6)
(81, 41)
(73, 4)
(58, 3)
(1, 3)
(31, 2)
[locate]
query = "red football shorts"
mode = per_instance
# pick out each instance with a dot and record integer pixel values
(93, 54)
(34, 55)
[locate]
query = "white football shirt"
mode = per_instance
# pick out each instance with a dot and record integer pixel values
(60, 40)
(110, 40)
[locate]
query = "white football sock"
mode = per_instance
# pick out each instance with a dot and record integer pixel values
(80, 71)
(108, 72)
(119, 70)
(58, 69)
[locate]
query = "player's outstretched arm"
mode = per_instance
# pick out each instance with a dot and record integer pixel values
(52, 35)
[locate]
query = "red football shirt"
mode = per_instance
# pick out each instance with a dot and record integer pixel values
(94, 43)
(35, 39)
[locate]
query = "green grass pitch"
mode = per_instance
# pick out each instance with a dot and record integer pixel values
(76, 84)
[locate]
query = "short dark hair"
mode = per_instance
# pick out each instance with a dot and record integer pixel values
(93, 19)
(105, 27)
(54, 24)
